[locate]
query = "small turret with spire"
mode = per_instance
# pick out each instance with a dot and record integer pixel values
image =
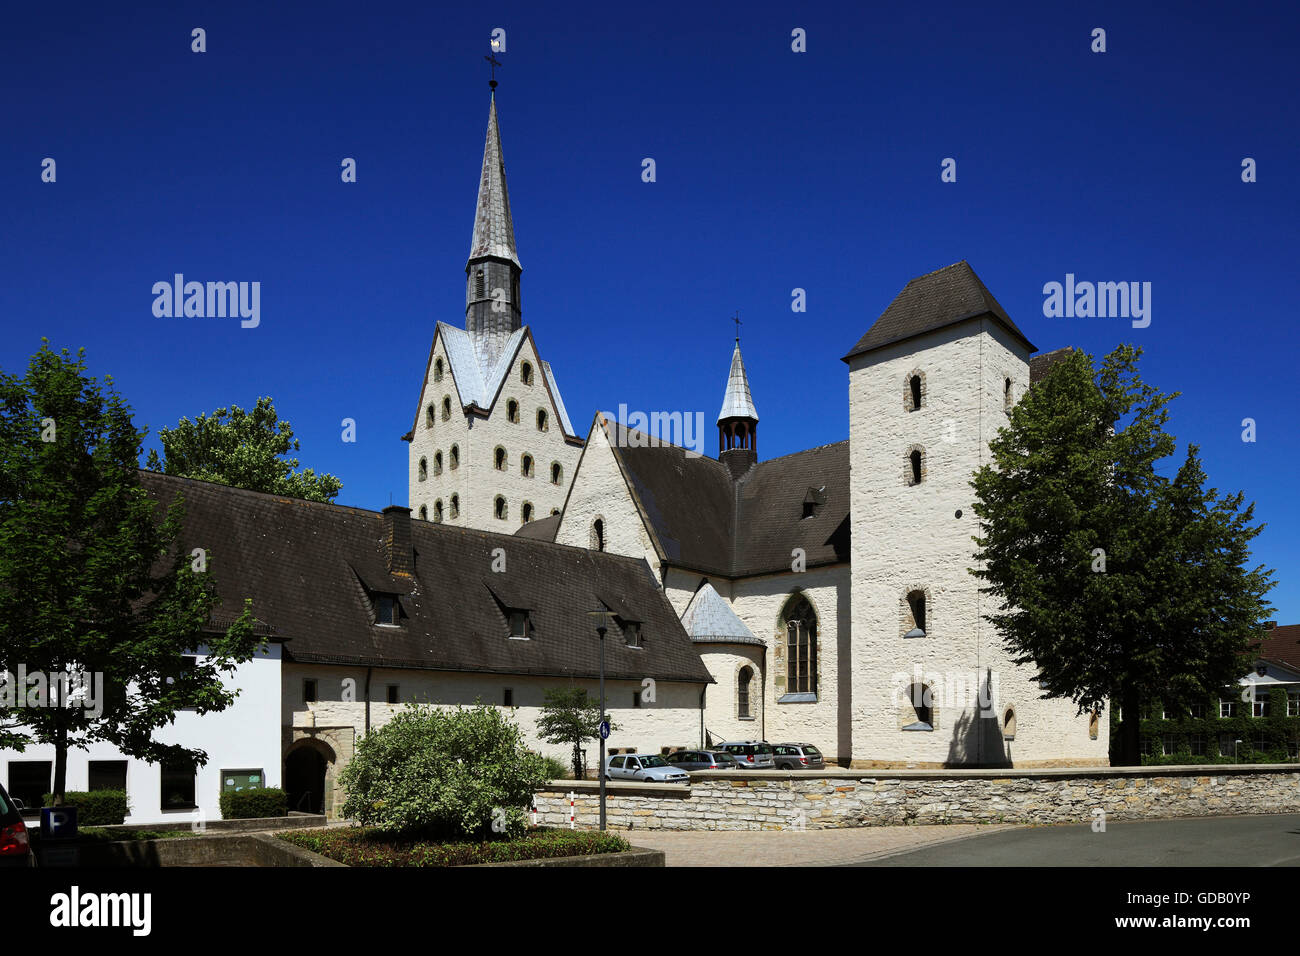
(738, 420)
(492, 307)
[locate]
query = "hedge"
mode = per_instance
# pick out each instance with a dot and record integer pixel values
(254, 802)
(95, 808)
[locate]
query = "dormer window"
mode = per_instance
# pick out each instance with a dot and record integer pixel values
(518, 625)
(387, 610)
(813, 501)
(632, 633)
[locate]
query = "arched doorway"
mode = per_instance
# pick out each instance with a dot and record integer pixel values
(304, 779)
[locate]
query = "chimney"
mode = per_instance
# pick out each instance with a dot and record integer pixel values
(397, 540)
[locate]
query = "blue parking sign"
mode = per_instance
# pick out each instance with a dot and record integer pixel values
(604, 730)
(58, 823)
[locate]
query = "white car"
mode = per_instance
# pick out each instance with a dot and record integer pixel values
(650, 768)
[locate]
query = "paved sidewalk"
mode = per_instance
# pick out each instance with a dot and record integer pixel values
(798, 848)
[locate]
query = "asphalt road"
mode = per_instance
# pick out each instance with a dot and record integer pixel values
(1272, 840)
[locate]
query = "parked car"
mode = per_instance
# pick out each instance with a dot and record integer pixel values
(15, 841)
(649, 768)
(751, 754)
(798, 757)
(702, 760)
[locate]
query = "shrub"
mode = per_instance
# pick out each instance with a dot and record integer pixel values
(554, 769)
(95, 808)
(459, 773)
(254, 802)
(358, 847)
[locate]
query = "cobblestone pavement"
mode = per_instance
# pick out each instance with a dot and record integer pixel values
(798, 848)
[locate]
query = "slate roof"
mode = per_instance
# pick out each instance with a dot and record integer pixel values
(708, 619)
(705, 522)
(1041, 364)
(310, 568)
(736, 400)
(494, 227)
(934, 301)
(543, 529)
(1281, 645)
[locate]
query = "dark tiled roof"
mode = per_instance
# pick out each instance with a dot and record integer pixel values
(933, 301)
(543, 529)
(705, 522)
(1043, 363)
(307, 567)
(1281, 645)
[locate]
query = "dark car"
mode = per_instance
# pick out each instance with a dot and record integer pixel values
(798, 757)
(702, 760)
(15, 841)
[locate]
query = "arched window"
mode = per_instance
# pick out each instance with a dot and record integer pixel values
(920, 698)
(598, 535)
(915, 385)
(480, 285)
(424, 513)
(437, 511)
(1094, 724)
(527, 512)
(914, 393)
(455, 457)
(437, 463)
(526, 466)
(555, 511)
(1009, 724)
(500, 508)
(541, 420)
(526, 373)
(446, 408)
(430, 414)
(914, 616)
(437, 369)
(557, 473)
(424, 469)
(742, 692)
(915, 465)
(512, 412)
(455, 506)
(1006, 396)
(800, 646)
(500, 459)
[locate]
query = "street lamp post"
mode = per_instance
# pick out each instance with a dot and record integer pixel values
(601, 620)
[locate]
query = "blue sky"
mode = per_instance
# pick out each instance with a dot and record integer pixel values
(775, 170)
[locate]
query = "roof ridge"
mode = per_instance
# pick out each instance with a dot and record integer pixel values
(261, 494)
(791, 454)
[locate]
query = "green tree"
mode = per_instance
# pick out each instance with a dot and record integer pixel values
(1114, 581)
(92, 580)
(462, 772)
(242, 449)
(569, 716)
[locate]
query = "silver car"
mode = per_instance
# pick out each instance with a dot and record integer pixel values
(649, 768)
(751, 754)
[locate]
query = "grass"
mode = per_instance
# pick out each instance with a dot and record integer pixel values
(357, 846)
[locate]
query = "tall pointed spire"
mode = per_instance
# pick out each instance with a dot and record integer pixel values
(493, 311)
(738, 420)
(494, 230)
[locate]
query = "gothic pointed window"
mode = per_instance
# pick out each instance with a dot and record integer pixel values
(430, 414)
(742, 693)
(424, 469)
(437, 370)
(800, 646)
(446, 408)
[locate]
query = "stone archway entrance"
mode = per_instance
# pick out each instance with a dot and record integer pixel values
(304, 777)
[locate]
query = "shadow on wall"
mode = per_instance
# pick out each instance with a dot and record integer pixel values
(977, 735)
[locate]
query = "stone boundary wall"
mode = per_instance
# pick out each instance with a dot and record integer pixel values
(774, 800)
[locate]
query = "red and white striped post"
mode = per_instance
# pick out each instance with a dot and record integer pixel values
(571, 795)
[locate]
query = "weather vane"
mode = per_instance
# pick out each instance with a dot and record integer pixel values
(736, 319)
(495, 63)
